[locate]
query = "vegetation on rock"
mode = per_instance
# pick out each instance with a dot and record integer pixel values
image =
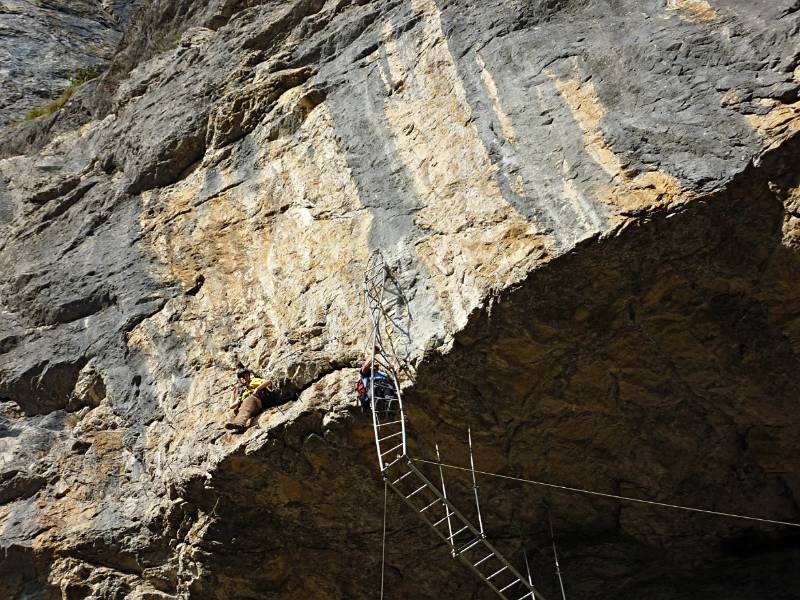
(76, 79)
(164, 42)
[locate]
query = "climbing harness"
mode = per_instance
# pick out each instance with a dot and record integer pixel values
(430, 502)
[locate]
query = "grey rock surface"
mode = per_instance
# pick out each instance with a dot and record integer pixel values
(592, 207)
(43, 43)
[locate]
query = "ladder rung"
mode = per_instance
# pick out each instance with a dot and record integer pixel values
(393, 463)
(527, 595)
(430, 505)
(484, 559)
(512, 584)
(390, 423)
(497, 572)
(395, 448)
(390, 436)
(417, 491)
(457, 532)
(399, 479)
(443, 519)
(469, 546)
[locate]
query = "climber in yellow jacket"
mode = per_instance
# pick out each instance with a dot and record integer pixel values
(248, 397)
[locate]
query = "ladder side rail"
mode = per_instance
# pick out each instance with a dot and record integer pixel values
(400, 408)
(517, 581)
(427, 521)
(514, 571)
(474, 480)
(473, 530)
(416, 509)
(482, 543)
(379, 275)
(454, 512)
(375, 315)
(446, 509)
(395, 322)
(378, 316)
(481, 576)
(375, 420)
(374, 415)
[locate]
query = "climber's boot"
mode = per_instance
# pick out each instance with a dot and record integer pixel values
(249, 408)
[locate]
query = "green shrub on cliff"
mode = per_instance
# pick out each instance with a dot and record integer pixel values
(164, 42)
(76, 79)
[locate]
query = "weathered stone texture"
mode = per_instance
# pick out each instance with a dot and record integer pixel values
(43, 43)
(593, 207)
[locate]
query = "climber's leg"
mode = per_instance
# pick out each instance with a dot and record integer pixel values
(267, 399)
(247, 410)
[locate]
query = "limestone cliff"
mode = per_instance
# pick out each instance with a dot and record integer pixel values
(42, 43)
(593, 207)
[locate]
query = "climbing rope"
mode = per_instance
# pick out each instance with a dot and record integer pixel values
(555, 555)
(528, 567)
(613, 496)
(383, 543)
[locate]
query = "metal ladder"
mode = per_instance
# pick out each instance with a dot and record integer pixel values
(466, 542)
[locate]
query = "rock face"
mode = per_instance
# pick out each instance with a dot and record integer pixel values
(593, 208)
(42, 43)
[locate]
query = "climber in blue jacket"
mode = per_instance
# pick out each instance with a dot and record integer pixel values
(383, 383)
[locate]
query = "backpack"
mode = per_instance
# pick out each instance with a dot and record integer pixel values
(362, 390)
(383, 386)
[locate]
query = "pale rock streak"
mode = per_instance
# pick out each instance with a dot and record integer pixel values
(625, 191)
(475, 239)
(281, 256)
